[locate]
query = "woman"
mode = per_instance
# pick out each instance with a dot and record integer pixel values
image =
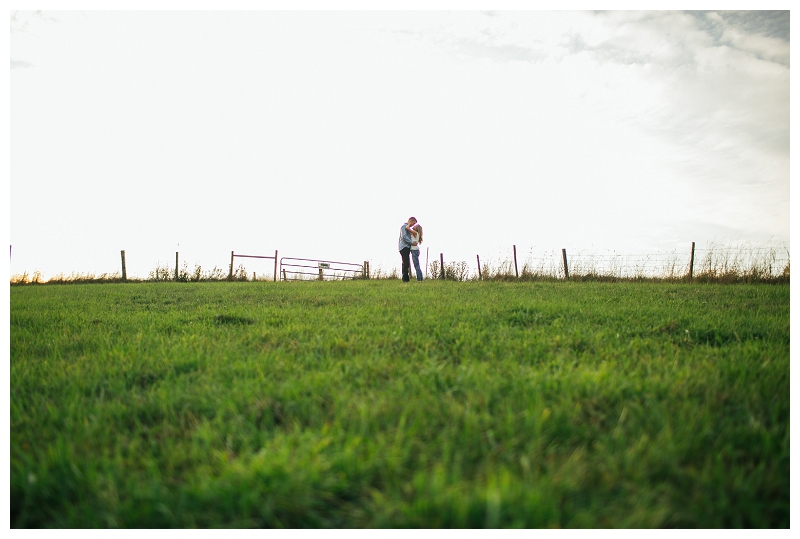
(416, 237)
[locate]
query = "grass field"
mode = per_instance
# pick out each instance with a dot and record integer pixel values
(384, 404)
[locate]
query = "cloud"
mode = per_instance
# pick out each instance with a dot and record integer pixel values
(706, 80)
(21, 20)
(771, 24)
(664, 38)
(711, 89)
(505, 53)
(763, 34)
(24, 23)
(20, 64)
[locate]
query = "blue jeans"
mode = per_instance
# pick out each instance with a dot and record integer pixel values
(415, 257)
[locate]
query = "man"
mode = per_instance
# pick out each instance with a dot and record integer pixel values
(404, 245)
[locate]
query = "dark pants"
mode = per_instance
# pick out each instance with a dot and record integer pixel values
(404, 252)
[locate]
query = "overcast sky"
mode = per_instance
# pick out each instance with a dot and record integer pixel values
(318, 133)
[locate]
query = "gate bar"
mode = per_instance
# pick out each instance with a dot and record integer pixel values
(274, 271)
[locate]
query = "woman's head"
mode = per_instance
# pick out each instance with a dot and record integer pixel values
(418, 229)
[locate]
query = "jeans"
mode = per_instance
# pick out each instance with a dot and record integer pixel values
(406, 263)
(415, 257)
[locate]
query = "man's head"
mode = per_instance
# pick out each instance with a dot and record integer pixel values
(412, 221)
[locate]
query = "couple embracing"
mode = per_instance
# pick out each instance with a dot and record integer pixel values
(410, 238)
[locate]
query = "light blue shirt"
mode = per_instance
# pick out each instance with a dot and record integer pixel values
(405, 238)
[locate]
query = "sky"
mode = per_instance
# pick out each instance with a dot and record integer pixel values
(318, 133)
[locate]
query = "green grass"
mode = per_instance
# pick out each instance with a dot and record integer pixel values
(383, 404)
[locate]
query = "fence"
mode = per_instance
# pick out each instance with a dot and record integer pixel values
(294, 269)
(290, 269)
(717, 262)
(712, 262)
(230, 275)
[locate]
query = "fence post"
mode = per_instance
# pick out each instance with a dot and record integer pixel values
(176, 265)
(566, 268)
(480, 275)
(441, 261)
(516, 272)
(691, 264)
(275, 271)
(367, 269)
(284, 276)
(427, 252)
(124, 274)
(230, 275)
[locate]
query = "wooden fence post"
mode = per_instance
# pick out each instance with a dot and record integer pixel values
(691, 264)
(480, 275)
(566, 268)
(441, 261)
(284, 275)
(275, 271)
(230, 275)
(516, 272)
(124, 274)
(176, 265)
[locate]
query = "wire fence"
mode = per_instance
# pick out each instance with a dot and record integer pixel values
(715, 263)
(719, 263)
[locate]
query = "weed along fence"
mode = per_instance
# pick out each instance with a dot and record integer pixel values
(751, 263)
(297, 269)
(740, 263)
(291, 269)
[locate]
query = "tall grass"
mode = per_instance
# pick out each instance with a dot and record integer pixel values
(165, 273)
(161, 273)
(715, 264)
(73, 278)
(744, 263)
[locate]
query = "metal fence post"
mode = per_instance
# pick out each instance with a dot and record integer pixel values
(480, 275)
(516, 272)
(691, 264)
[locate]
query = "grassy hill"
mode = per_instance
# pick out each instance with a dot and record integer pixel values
(384, 404)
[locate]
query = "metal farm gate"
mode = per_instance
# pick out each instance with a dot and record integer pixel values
(303, 269)
(274, 271)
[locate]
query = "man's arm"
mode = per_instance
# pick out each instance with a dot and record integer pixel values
(413, 234)
(406, 235)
